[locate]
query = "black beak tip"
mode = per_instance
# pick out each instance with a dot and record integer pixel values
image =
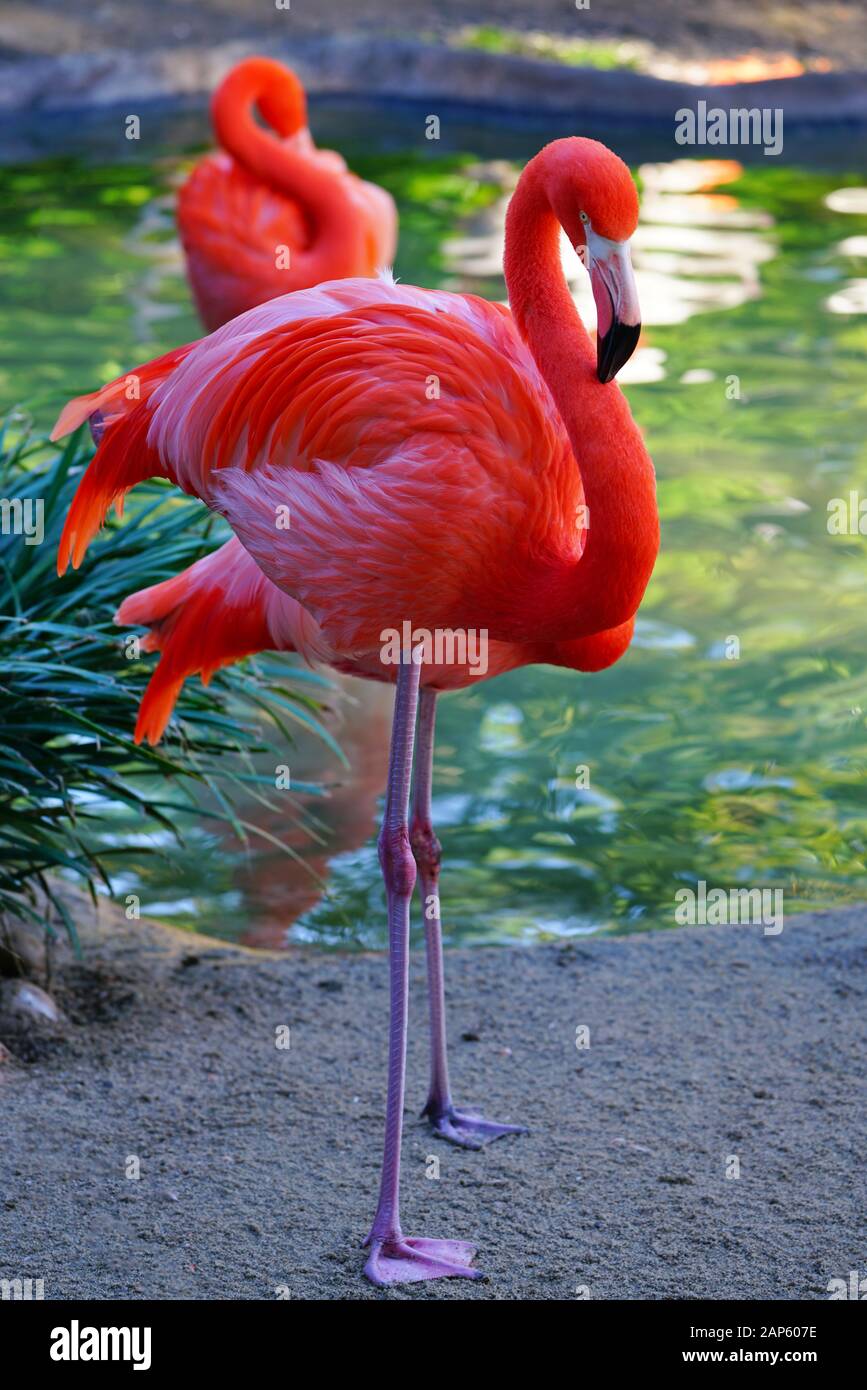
(615, 349)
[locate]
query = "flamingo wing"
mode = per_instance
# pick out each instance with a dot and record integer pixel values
(241, 235)
(232, 226)
(217, 611)
(375, 447)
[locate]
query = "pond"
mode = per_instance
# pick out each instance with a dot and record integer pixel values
(730, 745)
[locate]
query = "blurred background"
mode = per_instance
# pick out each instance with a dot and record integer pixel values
(703, 32)
(730, 744)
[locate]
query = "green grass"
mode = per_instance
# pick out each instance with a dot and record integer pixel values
(549, 47)
(69, 692)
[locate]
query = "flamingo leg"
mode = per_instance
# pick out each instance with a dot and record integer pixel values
(395, 1258)
(470, 1131)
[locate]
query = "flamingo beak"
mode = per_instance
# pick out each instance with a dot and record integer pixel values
(617, 312)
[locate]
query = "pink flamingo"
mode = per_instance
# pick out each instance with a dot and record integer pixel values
(271, 213)
(441, 463)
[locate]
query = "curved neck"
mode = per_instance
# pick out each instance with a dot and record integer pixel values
(278, 94)
(604, 588)
(324, 196)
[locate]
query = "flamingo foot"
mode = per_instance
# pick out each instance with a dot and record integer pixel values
(468, 1131)
(408, 1259)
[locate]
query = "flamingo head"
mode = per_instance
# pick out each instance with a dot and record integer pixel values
(596, 202)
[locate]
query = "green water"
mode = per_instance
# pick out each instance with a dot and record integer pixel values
(730, 744)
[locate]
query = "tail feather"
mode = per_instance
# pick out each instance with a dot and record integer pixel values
(122, 459)
(216, 612)
(120, 418)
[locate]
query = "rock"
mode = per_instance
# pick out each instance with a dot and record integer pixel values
(25, 1005)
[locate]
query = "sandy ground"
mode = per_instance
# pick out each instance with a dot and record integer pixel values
(259, 1166)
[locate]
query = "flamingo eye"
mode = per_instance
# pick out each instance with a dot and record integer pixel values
(584, 218)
